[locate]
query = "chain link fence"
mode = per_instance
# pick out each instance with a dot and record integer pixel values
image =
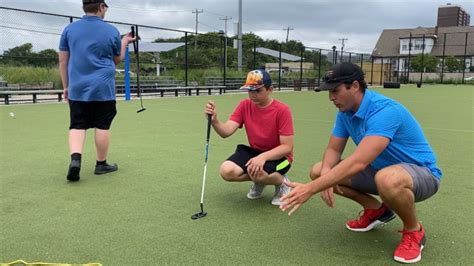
(30, 40)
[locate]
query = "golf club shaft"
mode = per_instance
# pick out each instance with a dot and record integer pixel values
(136, 50)
(137, 54)
(204, 180)
(208, 135)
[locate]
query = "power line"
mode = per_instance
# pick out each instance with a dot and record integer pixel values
(140, 9)
(200, 23)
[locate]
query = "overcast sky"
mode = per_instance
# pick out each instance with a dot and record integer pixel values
(316, 23)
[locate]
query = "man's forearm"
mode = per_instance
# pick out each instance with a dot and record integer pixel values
(63, 73)
(123, 50)
(343, 170)
(330, 159)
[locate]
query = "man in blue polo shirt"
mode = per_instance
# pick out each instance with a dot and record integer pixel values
(89, 49)
(393, 160)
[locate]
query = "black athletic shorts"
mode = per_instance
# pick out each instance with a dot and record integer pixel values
(86, 115)
(244, 153)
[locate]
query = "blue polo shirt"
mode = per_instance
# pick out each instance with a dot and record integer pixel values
(381, 116)
(92, 45)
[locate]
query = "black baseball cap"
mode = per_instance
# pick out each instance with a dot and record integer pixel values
(340, 73)
(88, 2)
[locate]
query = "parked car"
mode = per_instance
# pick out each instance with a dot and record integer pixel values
(469, 78)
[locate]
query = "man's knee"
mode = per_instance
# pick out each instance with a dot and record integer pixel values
(392, 178)
(315, 171)
(230, 171)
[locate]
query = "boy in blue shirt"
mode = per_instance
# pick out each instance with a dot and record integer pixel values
(393, 160)
(89, 49)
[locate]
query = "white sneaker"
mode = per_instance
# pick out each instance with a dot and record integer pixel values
(280, 191)
(256, 191)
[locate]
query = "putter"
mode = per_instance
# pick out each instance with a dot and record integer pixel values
(202, 213)
(135, 49)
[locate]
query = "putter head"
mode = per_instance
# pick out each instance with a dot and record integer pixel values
(141, 110)
(198, 215)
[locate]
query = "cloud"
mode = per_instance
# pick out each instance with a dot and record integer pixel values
(316, 23)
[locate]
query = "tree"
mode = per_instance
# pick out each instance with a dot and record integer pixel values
(426, 63)
(453, 65)
(23, 55)
(18, 56)
(46, 58)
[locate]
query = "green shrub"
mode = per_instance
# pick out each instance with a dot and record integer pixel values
(32, 75)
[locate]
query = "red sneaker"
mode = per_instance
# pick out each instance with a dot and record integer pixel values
(409, 250)
(370, 219)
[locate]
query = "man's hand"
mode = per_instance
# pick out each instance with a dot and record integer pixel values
(299, 194)
(255, 165)
(128, 38)
(328, 196)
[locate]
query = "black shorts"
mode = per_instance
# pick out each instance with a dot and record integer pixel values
(244, 153)
(86, 115)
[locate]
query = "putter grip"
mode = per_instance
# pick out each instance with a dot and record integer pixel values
(208, 127)
(134, 42)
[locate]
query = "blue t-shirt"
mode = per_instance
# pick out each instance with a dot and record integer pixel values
(381, 116)
(92, 45)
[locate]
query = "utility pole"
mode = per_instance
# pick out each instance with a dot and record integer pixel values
(287, 32)
(196, 11)
(225, 25)
(342, 47)
(239, 39)
(225, 39)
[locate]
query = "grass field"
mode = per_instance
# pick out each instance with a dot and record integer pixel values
(140, 215)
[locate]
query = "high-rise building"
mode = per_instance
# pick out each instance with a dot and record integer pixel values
(452, 15)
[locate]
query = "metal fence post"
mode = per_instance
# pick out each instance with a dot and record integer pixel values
(443, 59)
(186, 59)
(465, 53)
(381, 72)
(372, 72)
(319, 68)
(409, 58)
(279, 69)
(422, 59)
(301, 67)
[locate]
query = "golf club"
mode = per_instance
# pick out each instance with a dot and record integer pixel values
(202, 213)
(135, 49)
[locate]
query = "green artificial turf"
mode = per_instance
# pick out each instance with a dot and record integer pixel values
(140, 215)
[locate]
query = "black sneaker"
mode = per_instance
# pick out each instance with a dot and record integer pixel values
(73, 172)
(105, 168)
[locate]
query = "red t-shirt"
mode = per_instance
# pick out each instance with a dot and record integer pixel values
(264, 126)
